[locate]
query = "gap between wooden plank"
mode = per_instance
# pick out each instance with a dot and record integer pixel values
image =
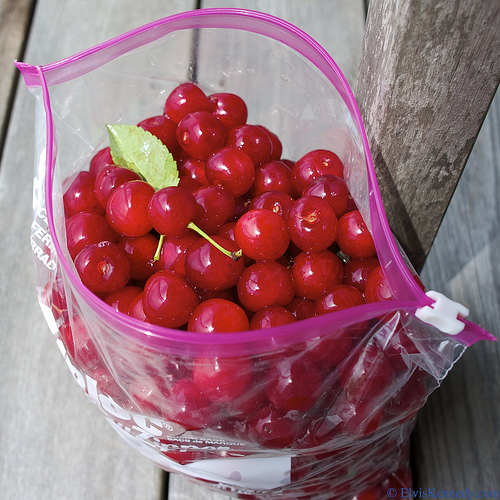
(15, 23)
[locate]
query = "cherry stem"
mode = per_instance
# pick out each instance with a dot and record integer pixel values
(233, 255)
(158, 248)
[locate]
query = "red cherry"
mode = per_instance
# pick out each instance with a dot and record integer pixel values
(164, 129)
(278, 202)
(276, 143)
(232, 169)
(273, 176)
(218, 316)
(109, 178)
(127, 208)
(301, 308)
(264, 284)
(141, 251)
(337, 298)
(103, 267)
(230, 109)
(315, 164)
(294, 383)
(208, 268)
(377, 288)
(200, 134)
(193, 169)
(332, 189)
(354, 238)
(173, 253)
(312, 224)
(313, 272)
(80, 196)
(252, 140)
(262, 234)
(223, 379)
(216, 208)
(84, 228)
(120, 300)
(171, 209)
(100, 160)
(356, 271)
(168, 299)
(271, 316)
(184, 99)
(136, 308)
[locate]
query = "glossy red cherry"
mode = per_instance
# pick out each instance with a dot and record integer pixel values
(314, 272)
(216, 208)
(276, 143)
(79, 195)
(141, 251)
(218, 316)
(262, 234)
(127, 208)
(103, 267)
(354, 237)
(193, 168)
(173, 253)
(356, 271)
(200, 134)
(232, 169)
(377, 288)
(121, 299)
(294, 383)
(271, 316)
(337, 298)
(272, 427)
(109, 178)
(315, 164)
(164, 129)
(208, 268)
(84, 228)
(301, 308)
(273, 176)
(136, 308)
(184, 99)
(223, 379)
(312, 224)
(230, 109)
(100, 160)
(264, 284)
(251, 139)
(171, 209)
(332, 189)
(168, 299)
(278, 202)
(186, 405)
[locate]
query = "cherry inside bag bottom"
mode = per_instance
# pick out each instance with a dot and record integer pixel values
(319, 409)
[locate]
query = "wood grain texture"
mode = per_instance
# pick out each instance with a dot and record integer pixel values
(429, 70)
(55, 444)
(456, 443)
(15, 17)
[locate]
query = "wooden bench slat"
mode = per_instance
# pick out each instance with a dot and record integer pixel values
(429, 70)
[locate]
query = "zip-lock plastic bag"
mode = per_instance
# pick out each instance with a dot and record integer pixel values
(321, 408)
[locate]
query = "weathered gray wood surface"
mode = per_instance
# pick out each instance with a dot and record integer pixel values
(54, 443)
(429, 72)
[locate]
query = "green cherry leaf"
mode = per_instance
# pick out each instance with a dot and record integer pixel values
(140, 151)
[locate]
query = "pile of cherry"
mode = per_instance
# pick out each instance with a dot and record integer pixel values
(246, 240)
(280, 241)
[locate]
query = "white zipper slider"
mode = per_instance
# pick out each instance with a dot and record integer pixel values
(444, 314)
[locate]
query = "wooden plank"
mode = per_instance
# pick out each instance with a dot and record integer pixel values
(429, 70)
(15, 18)
(338, 26)
(456, 442)
(55, 444)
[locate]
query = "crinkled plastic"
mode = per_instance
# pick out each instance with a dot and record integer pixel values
(322, 408)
